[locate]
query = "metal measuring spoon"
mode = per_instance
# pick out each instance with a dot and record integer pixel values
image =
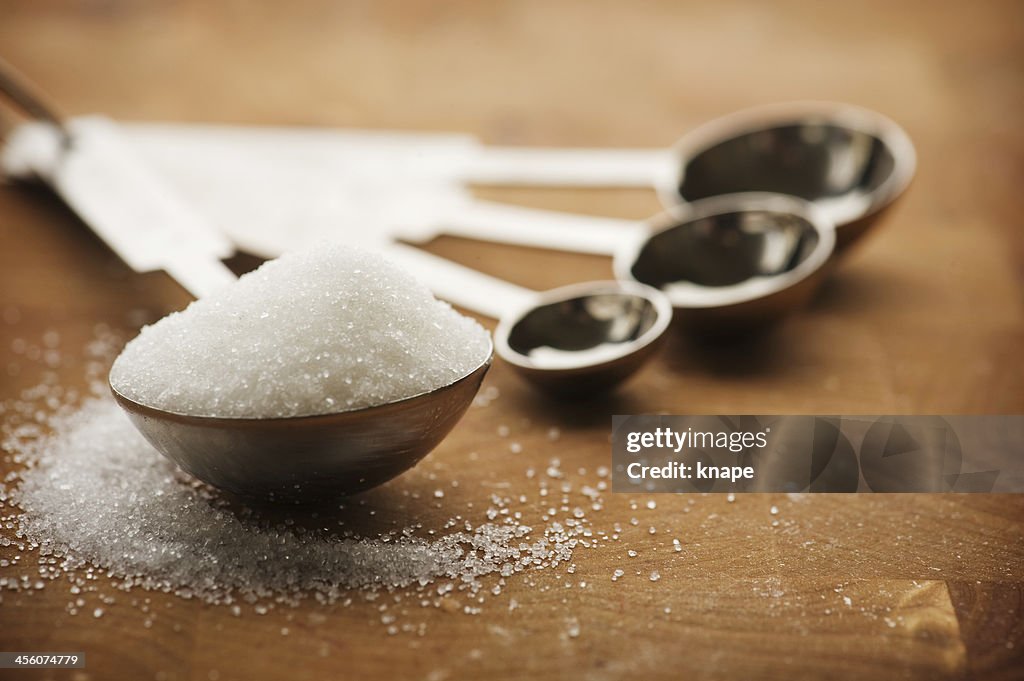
(763, 292)
(851, 162)
(725, 262)
(151, 228)
(308, 456)
(732, 262)
(575, 339)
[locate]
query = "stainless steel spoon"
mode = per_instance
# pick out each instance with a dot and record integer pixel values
(726, 263)
(307, 457)
(576, 339)
(851, 162)
(303, 457)
(732, 262)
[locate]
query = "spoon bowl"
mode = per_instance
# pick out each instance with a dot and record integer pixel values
(732, 262)
(584, 338)
(307, 457)
(851, 162)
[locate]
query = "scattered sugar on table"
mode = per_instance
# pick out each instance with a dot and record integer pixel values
(89, 499)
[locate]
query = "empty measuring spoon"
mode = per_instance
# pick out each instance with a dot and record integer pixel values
(724, 262)
(767, 290)
(576, 339)
(850, 161)
(732, 262)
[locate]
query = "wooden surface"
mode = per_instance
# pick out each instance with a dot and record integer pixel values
(925, 317)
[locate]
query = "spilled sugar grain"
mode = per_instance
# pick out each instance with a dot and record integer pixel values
(316, 331)
(93, 505)
(95, 493)
(89, 499)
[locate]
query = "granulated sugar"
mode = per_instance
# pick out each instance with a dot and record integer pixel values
(95, 493)
(89, 507)
(313, 332)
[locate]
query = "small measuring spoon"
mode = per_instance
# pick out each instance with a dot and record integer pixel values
(725, 263)
(732, 262)
(571, 340)
(772, 251)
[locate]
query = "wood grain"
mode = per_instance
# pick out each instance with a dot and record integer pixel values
(926, 316)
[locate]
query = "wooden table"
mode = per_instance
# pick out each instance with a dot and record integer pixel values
(924, 317)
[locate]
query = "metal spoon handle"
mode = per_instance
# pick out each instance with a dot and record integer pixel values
(127, 206)
(504, 223)
(460, 285)
(538, 166)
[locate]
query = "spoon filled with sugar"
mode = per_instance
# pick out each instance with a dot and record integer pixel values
(325, 372)
(322, 373)
(331, 370)
(244, 389)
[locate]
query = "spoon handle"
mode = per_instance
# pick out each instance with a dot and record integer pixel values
(460, 285)
(539, 166)
(112, 191)
(503, 223)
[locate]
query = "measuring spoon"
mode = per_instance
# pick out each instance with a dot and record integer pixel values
(850, 161)
(571, 340)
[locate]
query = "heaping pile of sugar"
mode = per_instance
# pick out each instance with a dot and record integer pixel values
(314, 332)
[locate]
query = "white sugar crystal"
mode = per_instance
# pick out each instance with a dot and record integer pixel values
(573, 627)
(313, 332)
